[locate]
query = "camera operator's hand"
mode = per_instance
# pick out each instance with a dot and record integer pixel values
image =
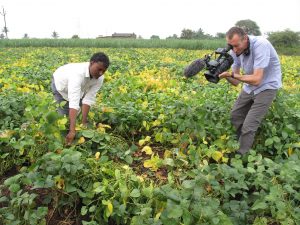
(231, 77)
(225, 74)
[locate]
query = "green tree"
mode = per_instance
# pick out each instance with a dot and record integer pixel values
(249, 26)
(187, 34)
(5, 29)
(55, 34)
(25, 36)
(286, 38)
(220, 35)
(174, 36)
(199, 34)
(154, 37)
(75, 36)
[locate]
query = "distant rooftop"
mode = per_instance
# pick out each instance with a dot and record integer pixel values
(123, 35)
(119, 35)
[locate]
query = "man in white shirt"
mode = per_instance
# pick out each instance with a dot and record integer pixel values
(78, 84)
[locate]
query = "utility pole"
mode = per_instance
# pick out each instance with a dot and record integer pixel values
(3, 13)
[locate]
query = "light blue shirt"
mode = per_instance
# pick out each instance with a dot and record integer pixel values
(262, 56)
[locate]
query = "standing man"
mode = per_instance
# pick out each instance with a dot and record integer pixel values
(257, 60)
(78, 84)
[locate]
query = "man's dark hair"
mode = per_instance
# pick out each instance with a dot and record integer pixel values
(236, 30)
(100, 57)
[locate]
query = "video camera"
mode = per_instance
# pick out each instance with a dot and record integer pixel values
(214, 67)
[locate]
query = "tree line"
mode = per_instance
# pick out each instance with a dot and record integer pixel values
(286, 38)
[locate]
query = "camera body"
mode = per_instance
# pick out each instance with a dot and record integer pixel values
(221, 64)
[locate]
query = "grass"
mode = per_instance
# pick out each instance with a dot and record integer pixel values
(115, 43)
(131, 43)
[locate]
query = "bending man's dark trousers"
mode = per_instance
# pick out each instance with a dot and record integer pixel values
(247, 114)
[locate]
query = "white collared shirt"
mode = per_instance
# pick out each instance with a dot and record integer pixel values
(73, 82)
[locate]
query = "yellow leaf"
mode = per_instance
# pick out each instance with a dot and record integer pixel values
(167, 154)
(101, 130)
(204, 141)
(78, 127)
(38, 134)
(101, 127)
(161, 117)
(57, 135)
(217, 155)
(153, 163)
(182, 153)
(6, 133)
(290, 151)
(123, 89)
(62, 121)
(142, 142)
(157, 216)
(156, 123)
(175, 141)
(148, 164)
(97, 155)
(148, 138)
(145, 105)
(144, 123)
(141, 179)
(83, 126)
(224, 159)
(104, 125)
(92, 115)
(24, 89)
(81, 140)
(158, 213)
(110, 207)
(21, 151)
(147, 150)
(60, 183)
(107, 109)
(223, 137)
(205, 162)
(126, 167)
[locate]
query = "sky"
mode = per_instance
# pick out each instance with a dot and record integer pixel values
(91, 18)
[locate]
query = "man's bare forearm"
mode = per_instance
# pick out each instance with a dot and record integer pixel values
(233, 81)
(72, 117)
(85, 111)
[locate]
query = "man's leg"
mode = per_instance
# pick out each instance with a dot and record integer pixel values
(257, 112)
(64, 110)
(239, 111)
